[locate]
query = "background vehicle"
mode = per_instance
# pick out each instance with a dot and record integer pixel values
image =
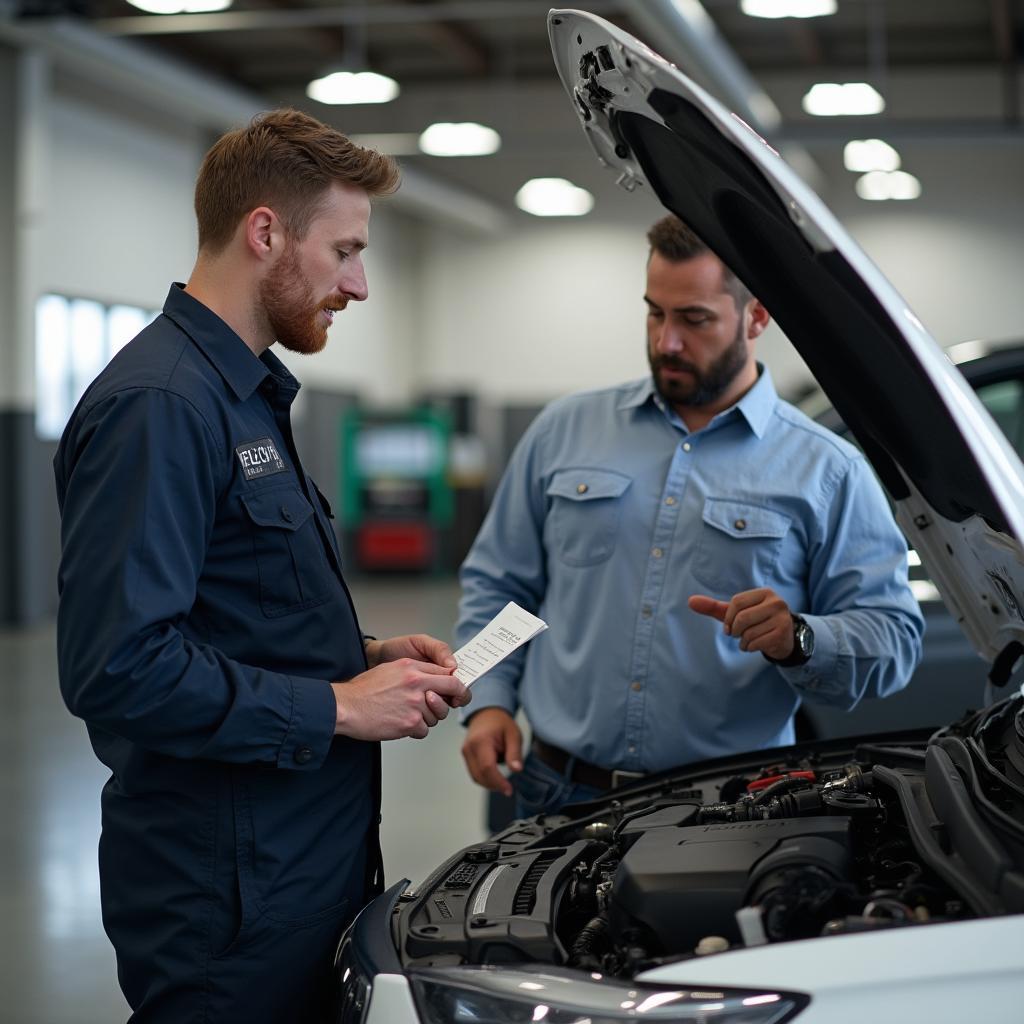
(955, 675)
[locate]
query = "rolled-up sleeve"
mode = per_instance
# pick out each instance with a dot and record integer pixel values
(138, 484)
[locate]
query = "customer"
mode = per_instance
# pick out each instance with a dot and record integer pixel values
(205, 632)
(706, 557)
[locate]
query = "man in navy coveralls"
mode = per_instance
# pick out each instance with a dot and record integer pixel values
(205, 632)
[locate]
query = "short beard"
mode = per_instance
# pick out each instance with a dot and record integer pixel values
(708, 386)
(290, 307)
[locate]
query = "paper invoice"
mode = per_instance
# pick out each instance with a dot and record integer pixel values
(508, 630)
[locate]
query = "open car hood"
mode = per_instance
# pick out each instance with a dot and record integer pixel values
(956, 483)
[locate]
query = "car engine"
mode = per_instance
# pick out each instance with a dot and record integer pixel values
(818, 840)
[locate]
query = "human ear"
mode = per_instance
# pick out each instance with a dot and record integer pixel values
(263, 232)
(759, 318)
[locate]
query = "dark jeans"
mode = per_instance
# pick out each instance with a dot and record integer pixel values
(540, 789)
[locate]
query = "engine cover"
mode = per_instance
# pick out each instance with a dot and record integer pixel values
(680, 884)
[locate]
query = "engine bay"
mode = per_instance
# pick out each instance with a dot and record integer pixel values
(815, 840)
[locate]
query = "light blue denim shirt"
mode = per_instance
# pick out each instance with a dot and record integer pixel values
(611, 514)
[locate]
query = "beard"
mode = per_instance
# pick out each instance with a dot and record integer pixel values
(290, 308)
(707, 385)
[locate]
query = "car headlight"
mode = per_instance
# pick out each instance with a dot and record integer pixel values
(513, 995)
(353, 982)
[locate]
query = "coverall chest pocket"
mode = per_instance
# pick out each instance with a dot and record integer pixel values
(287, 551)
(739, 546)
(586, 505)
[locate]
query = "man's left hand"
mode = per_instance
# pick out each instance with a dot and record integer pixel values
(760, 618)
(419, 647)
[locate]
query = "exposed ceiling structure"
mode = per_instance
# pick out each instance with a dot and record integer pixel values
(949, 70)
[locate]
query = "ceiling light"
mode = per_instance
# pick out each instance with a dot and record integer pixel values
(870, 155)
(832, 99)
(181, 6)
(554, 197)
(878, 185)
(352, 87)
(465, 138)
(788, 8)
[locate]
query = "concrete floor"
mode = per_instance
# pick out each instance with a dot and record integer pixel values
(56, 965)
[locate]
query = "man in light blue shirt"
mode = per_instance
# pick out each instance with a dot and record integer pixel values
(705, 555)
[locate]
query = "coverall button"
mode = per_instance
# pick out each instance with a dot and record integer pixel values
(303, 755)
(286, 514)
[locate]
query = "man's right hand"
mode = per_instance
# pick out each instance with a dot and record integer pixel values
(396, 699)
(492, 736)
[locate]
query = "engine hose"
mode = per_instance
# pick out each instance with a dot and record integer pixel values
(592, 940)
(777, 788)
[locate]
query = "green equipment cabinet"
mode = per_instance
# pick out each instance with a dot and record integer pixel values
(396, 500)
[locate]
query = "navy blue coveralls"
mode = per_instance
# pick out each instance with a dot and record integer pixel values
(202, 617)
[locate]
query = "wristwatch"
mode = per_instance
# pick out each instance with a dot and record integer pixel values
(803, 645)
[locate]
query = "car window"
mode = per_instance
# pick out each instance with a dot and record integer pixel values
(1005, 401)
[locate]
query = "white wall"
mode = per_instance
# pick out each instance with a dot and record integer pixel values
(7, 136)
(550, 308)
(546, 309)
(119, 225)
(956, 254)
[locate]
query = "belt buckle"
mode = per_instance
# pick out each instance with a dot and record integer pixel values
(622, 778)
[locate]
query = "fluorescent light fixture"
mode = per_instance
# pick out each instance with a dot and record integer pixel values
(181, 6)
(554, 197)
(352, 87)
(389, 143)
(878, 185)
(870, 155)
(834, 99)
(464, 138)
(788, 8)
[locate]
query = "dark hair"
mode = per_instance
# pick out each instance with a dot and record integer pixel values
(676, 242)
(286, 160)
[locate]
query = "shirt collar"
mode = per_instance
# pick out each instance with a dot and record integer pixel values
(756, 406)
(241, 369)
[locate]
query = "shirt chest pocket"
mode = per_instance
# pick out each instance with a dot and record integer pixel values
(586, 505)
(287, 551)
(739, 546)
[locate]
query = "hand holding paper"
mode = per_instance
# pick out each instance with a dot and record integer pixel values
(507, 631)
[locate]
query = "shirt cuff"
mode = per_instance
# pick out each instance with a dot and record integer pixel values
(491, 693)
(817, 677)
(311, 728)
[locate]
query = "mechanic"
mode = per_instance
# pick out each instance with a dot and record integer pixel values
(205, 631)
(706, 557)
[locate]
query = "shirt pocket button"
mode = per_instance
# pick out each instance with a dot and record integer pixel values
(286, 514)
(303, 755)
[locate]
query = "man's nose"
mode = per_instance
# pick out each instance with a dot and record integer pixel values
(668, 338)
(353, 282)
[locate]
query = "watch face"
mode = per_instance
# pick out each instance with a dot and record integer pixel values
(804, 636)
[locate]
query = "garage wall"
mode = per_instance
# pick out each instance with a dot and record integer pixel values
(547, 309)
(955, 254)
(551, 308)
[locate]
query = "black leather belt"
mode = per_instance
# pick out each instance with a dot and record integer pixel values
(582, 772)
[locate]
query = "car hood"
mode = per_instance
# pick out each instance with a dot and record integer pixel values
(956, 484)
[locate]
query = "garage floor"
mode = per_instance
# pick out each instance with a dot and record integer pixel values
(56, 966)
